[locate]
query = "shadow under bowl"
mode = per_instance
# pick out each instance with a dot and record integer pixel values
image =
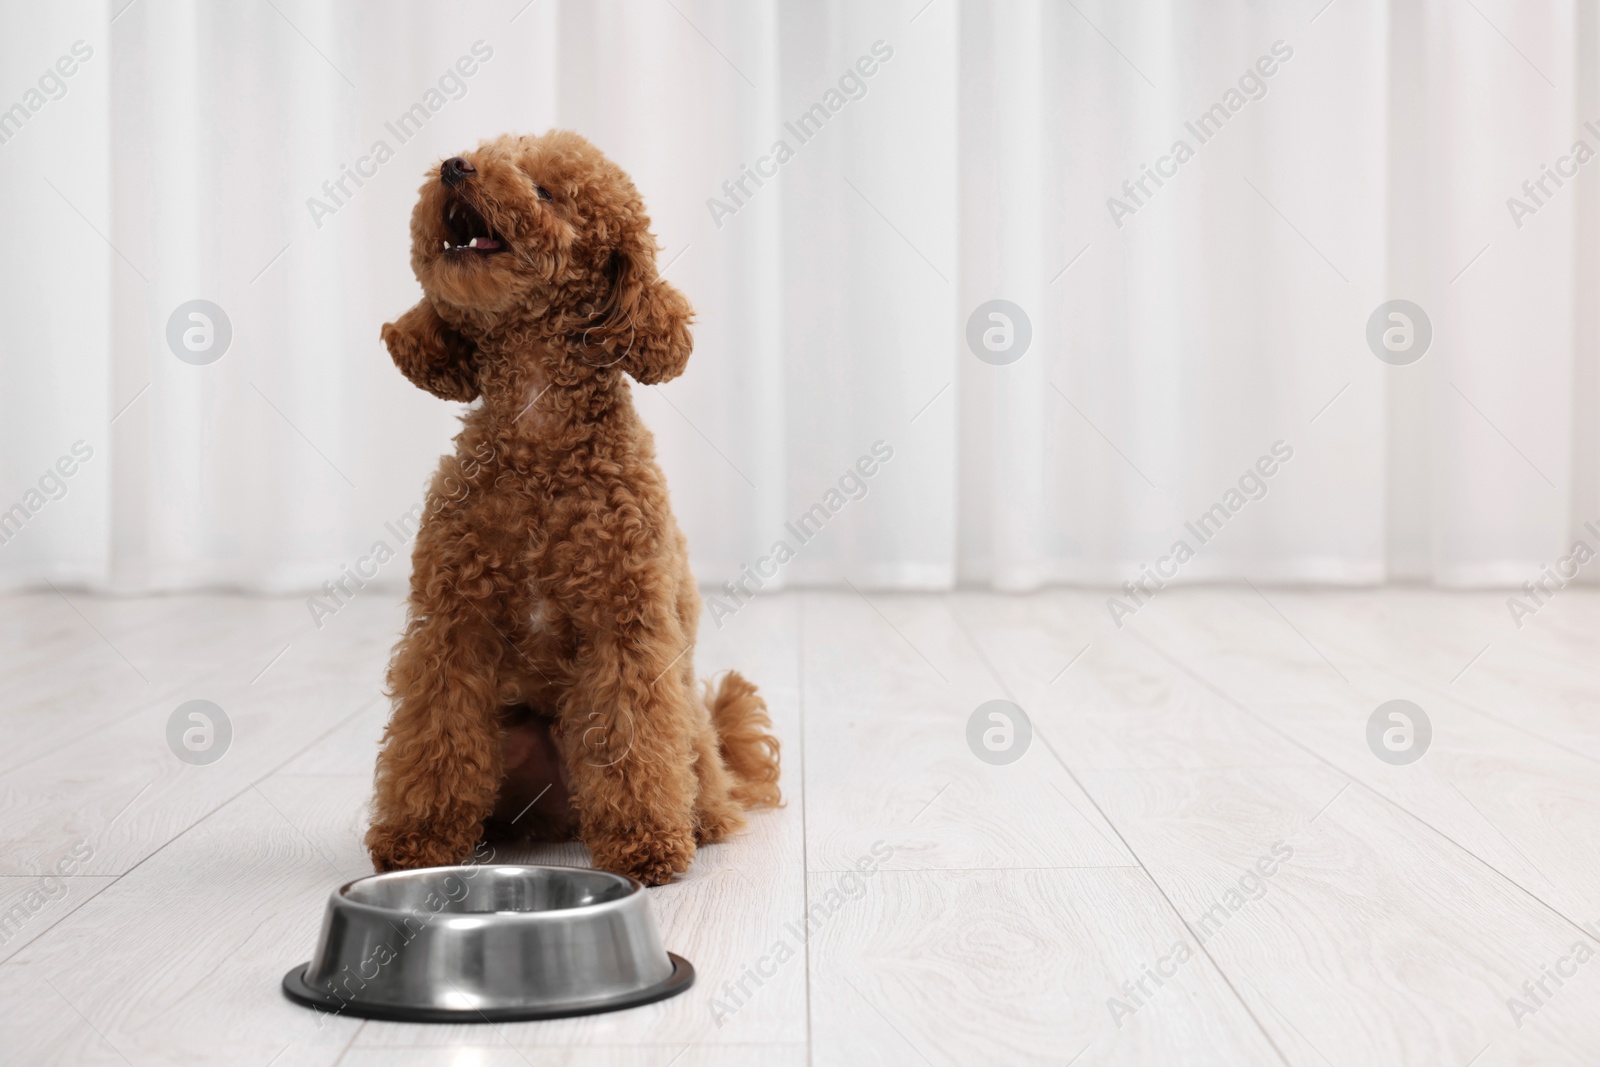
(492, 943)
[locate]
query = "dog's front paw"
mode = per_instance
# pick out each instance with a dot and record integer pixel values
(396, 848)
(652, 856)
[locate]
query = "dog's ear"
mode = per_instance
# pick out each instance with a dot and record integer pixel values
(644, 324)
(432, 354)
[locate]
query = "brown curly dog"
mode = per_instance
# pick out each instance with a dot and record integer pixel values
(544, 685)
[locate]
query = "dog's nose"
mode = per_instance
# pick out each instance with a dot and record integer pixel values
(454, 170)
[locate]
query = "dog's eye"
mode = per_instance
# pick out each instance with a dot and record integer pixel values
(544, 194)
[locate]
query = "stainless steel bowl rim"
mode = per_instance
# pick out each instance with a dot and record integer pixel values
(550, 914)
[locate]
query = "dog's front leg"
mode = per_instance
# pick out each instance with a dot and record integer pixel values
(627, 742)
(440, 766)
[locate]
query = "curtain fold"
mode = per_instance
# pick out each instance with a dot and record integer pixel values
(1192, 211)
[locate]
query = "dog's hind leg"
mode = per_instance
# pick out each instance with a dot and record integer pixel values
(717, 814)
(736, 760)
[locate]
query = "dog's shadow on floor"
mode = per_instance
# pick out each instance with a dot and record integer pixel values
(574, 854)
(557, 853)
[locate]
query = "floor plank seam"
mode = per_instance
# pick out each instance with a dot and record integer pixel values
(805, 839)
(1159, 888)
(1463, 702)
(165, 844)
(5, 960)
(977, 870)
(348, 1045)
(172, 691)
(1374, 791)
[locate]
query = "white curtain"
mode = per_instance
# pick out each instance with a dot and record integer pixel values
(936, 156)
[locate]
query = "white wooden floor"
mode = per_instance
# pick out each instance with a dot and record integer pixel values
(1023, 912)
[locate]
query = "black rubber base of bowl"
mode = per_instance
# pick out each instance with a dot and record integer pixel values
(296, 989)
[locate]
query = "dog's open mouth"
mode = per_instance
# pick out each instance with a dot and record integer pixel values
(467, 231)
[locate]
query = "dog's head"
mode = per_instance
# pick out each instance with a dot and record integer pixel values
(546, 232)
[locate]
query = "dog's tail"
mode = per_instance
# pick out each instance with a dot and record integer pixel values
(749, 751)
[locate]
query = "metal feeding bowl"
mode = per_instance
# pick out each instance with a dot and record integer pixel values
(488, 944)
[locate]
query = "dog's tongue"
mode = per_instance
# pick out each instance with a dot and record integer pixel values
(485, 244)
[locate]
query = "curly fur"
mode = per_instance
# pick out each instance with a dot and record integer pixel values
(552, 618)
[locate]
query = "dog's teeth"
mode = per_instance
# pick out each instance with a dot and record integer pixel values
(447, 246)
(452, 211)
(472, 243)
